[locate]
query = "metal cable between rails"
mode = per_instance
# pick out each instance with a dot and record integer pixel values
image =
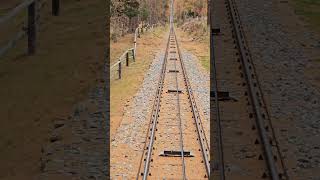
(179, 116)
(196, 117)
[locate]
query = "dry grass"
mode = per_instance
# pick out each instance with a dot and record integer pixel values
(310, 9)
(119, 47)
(122, 91)
(199, 47)
(37, 89)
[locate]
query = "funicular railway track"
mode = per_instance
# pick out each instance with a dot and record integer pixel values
(245, 144)
(176, 146)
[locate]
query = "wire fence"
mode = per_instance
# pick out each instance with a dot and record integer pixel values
(19, 24)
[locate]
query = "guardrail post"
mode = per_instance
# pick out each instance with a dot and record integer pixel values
(55, 7)
(32, 28)
(133, 55)
(119, 70)
(135, 45)
(127, 58)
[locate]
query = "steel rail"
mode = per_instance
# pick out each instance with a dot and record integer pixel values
(179, 115)
(218, 120)
(254, 98)
(154, 108)
(178, 98)
(267, 112)
(155, 113)
(196, 116)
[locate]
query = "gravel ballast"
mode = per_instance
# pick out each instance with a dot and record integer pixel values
(281, 57)
(200, 84)
(132, 132)
(77, 145)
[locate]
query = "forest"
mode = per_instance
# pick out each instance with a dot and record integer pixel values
(126, 15)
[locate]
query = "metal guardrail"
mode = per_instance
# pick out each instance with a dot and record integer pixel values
(32, 23)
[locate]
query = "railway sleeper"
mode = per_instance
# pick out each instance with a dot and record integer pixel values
(222, 96)
(215, 31)
(174, 91)
(173, 153)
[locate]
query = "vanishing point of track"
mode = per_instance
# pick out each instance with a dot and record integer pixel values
(176, 146)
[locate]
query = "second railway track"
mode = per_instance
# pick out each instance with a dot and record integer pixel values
(176, 145)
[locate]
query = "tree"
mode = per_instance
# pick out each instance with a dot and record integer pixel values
(144, 13)
(131, 10)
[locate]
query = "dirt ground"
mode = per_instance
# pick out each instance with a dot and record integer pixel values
(122, 91)
(199, 45)
(36, 90)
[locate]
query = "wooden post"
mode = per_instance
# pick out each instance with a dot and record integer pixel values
(138, 33)
(142, 28)
(32, 28)
(135, 45)
(119, 70)
(133, 55)
(208, 12)
(55, 7)
(127, 58)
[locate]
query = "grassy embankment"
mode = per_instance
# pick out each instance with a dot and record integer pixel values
(37, 89)
(194, 37)
(122, 91)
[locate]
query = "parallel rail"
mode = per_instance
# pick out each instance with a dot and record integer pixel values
(203, 142)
